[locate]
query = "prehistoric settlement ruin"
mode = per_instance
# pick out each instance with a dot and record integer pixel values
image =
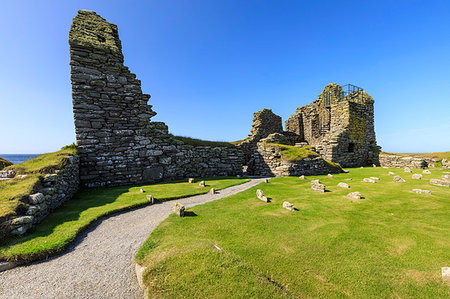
(119, 144)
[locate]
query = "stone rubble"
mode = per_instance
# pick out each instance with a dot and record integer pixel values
(399, 179)
(288, 206)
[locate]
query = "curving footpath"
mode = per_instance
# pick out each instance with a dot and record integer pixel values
(101, 263)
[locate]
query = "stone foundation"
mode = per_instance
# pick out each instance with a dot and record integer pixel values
(401, 161)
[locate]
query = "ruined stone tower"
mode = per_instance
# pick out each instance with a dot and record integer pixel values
(117, 142)
(339, 124)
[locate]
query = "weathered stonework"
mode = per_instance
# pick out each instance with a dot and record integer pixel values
(117, 142)
(48, 194)
(402, 161)
(340, 127)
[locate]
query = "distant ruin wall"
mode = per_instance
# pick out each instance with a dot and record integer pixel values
(402, 161)
(117, 142)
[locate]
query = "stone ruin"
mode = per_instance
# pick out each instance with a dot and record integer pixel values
(339, 125)
(118, 143)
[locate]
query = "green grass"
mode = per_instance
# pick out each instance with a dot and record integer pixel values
(391, 243)
(293, 153)
(45, 163)
(200, 142)
(4, 163)
(60, 228)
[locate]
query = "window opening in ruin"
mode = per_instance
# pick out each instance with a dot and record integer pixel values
(325, 120)
(351, 147)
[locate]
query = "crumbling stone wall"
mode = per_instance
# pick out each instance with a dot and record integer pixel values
(117, 142)
(342, 131)
(48, 194)
(265, 122)
(402, 161)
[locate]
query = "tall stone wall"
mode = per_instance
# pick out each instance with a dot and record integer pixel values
(117, 142)
(342, 131)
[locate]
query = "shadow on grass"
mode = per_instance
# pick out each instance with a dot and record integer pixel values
(189, 214)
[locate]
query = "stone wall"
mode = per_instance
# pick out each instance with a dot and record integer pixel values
(118, 143)
(267, 161)
(402, 161)
(48, 194)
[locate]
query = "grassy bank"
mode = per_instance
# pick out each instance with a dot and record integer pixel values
(13, 191)
(61, 227)
(391, 243)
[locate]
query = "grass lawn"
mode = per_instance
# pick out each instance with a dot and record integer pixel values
(392, 243)
(61, 227)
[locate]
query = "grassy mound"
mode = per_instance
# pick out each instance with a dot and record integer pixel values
(13, 191)
(60, 228)
(4, 163)
(391, 243)
(200, 142)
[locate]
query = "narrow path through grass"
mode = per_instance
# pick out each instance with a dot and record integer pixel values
(61, 228)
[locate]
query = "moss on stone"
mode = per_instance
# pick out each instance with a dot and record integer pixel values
(292, 153)
(90, 30)
(200, 142)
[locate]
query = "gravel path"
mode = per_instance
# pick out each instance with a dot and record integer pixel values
(101, 264)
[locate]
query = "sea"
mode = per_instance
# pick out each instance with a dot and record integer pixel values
(18, 158)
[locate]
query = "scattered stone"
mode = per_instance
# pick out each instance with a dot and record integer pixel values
(191, 180)
(343, 185)
(36, 198)
(446, 178)
(261, 196)
(349, 179)
(375, 178)
(391, 173)
(266, 180)
(6, 265)
(398, 179)
(438, 182)
(302, 177)
(150, 199)
(7, 174)
(212, 191)
(373, 165)
(202, 184)
(417, 176)
(446, 273)
(367, 180)
(330, 175)
(142, 190)
(361, 167)
(354, 195)
(421, 191)
(407, 169)
(178, 209)
(317, 186)
(288, 206)
(426, 171)
(346, 171)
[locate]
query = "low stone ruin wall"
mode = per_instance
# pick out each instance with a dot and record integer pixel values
(267, 161)
(48, 194)
(402, 161)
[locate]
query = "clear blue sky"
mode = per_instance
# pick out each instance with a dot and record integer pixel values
(210, 64)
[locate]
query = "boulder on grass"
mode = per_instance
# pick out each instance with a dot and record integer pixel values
(426, 171)
(367, 180)
(191, 180)
(441, 183)
(150, 199)
(398, 179)
(354, 195)
(391, 173)
(202, 184)
(212, 191)
(407, 169)
(261, 196)
(417, 176)
(421, 191)
(343, 185)
(375, 178)
(302, 177)
(317, 186)
(178, 209)
(288, 206)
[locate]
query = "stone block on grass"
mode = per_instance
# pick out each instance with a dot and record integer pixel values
(398, 179)
(178, 209)
(343, 185)
(417, 176)
(421, 191)
(288, 206)
(354, 195)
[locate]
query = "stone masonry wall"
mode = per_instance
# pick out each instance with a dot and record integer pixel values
(342, 132)
(268, 162)
(402, 161)
(48, 194)
(117, 142)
